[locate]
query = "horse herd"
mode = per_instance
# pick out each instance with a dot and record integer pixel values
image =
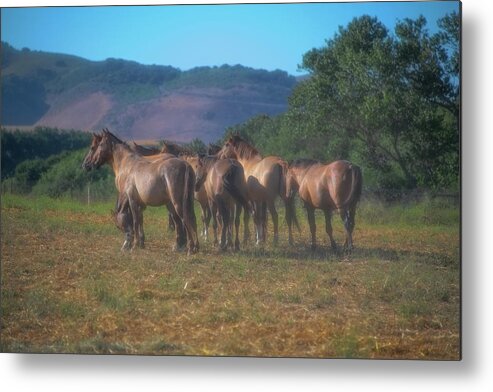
(231, 179)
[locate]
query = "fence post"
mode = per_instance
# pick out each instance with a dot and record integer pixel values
(89, 193)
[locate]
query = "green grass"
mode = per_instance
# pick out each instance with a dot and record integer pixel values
(428, 212)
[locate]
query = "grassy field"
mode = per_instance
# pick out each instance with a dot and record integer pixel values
(66, 287)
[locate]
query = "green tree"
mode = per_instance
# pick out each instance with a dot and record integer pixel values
(28, 173)
(388, 98)
(197, 146)
(67, 178)
(42, 142)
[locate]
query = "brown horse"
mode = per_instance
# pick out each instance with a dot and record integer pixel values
(336, 186)
(265, 179)
(224, 183)
(146, 182)
(122, 214)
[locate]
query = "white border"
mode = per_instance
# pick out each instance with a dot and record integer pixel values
(123, 373)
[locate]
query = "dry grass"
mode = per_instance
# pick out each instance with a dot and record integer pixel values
(66, 287)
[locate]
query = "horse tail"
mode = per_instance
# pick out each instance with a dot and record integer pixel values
(288, 199)
(283, 172)
(232, 188)
(356, 187)
(188, 198)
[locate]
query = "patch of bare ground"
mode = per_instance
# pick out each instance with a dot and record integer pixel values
(184, 115)
(84, 113)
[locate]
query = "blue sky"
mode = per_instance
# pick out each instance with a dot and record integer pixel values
(261, 36)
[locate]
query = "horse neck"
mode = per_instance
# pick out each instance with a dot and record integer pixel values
(300, 173)
(120, 154)
(249, 163)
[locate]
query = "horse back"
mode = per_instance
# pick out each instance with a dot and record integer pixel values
(265, 179)
(344, 183)
(329, 186)
(154, 181)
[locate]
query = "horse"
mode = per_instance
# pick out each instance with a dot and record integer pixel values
(122, 214)
(224, 183)
(329, 187)
(265, 178)
(144, 182)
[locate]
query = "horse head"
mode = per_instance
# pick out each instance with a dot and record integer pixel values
(100, 151)
(200, 173)
(228, 150)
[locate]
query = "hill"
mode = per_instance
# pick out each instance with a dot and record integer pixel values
(136, 101)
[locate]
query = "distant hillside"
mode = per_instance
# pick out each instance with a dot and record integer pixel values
(136, 101)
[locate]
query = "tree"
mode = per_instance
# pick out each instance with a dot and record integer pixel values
(387, 98)
(197, 146)
(66, 177)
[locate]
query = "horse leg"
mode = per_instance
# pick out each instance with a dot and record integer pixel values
(206, 218)
(171, 223)
(231, 219)
(347, 217)
(127, 229)
(137, 220)
(275, 220)
(223, 211)
(125, 215)
(213, 211)
(328, 229)
(179, 229)
(129, 237)
(140, 234)
(187, 229)
(237, 225)
(246, 228)
(289, 220)
(264, 221)
(311, 221)
(257, 217)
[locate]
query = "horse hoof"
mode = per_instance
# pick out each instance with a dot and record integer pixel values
(178, 248)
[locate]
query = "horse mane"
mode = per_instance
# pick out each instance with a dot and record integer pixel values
(144, 150)
(116, 139)
(303, 163)
(208, 161)
(244, 149)
(175, 149)
(213, 149)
